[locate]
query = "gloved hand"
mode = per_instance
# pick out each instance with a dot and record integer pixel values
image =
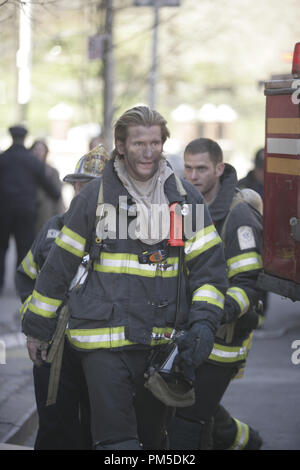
(247, 323)
(231, 310)
(37, 350)
(194, 347)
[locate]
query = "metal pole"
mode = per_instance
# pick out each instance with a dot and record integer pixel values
(108, 62)
(153, 69)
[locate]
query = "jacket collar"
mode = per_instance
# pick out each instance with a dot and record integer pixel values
(113, 187)
(220, 206)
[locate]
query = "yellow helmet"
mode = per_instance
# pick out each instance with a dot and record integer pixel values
(89, 166)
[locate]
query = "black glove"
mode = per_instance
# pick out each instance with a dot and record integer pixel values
(247, 323)
(231, 310)
(194, 347)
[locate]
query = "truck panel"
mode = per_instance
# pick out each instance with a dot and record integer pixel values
(281, 253)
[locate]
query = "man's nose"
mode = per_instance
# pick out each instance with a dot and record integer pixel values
(194, 174)
(148, 151)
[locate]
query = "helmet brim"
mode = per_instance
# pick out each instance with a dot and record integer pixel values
(74, 178)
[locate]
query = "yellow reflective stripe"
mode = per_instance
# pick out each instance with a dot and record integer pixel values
(209, 294)
(229, 354)
(44, 306)
(29, 266)
(242, 436)
(240, 373)
(242, 263)
(111, 337)
(24, 306)
(240, 296)
(202, 241)
(71, 241)
(127, 263)
(248, 344)
(158, 335)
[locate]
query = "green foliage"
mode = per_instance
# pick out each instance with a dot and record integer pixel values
(208, 52)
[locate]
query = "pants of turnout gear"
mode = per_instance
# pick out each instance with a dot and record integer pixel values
(20, 225)
(66, 424)
(231, 434)
(123, 413)
(192, 427)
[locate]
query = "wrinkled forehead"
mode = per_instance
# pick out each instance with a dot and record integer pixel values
(144, 132)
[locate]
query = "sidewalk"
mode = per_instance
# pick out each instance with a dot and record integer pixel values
(18, 417)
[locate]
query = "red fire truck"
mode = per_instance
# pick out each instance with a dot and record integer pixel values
(281, 218)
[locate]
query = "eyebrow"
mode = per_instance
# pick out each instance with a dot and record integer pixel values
(202, 165)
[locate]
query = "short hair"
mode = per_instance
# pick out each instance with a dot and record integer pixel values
(139, 116)
(259, 158)
(203, 145)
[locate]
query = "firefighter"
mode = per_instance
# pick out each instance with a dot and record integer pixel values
(241, 231)
(126, 307)
(59, 424)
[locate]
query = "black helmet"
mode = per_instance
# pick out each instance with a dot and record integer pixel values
(166, 382)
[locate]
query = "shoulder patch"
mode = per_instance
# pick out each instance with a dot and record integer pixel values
(52, 233)
(246, 237)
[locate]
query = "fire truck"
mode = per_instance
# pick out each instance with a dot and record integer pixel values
(281, 217)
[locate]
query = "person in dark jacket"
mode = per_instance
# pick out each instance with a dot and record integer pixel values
(240, 227)
(46, 206)
(66, 423)
(126, 308)
(255, 178)
(21, 173)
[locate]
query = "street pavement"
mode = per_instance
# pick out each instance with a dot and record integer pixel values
(266, 398)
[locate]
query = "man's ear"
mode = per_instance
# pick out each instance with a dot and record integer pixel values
(220, 169)
(120, 146)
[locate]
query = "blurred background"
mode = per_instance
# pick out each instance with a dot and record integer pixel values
(69, 68)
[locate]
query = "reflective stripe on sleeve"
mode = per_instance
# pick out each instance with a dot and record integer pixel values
(71, 241)
(209, 294)
(242, 263)
(44, 306)
(126, 263)
(111, 337)
(29, 266)
(202, 241)
(242, 436)
(24, 306)
(228, 354)
(240, 296)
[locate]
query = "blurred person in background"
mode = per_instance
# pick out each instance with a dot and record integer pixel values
(21, 173)
(255, 177)
(46, 206)
(96, 140)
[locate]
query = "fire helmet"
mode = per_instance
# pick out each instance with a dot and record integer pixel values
(165, 381)
(89, 166)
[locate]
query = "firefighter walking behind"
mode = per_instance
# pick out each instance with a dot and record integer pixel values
(65, 424)
(126, 307)
(240, 227)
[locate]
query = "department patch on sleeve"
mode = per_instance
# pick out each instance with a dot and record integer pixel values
(246, 237)
(52, 233)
